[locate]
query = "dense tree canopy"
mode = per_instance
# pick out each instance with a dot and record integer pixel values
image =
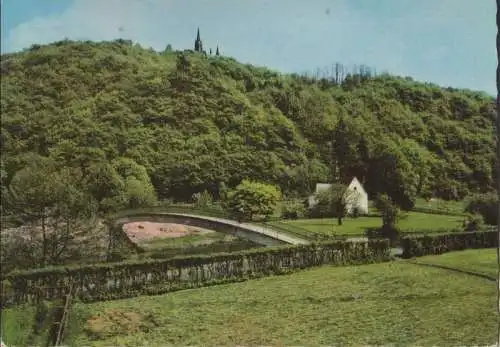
(138, 123)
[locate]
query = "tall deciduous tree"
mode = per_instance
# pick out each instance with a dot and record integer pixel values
(393, 174)
(344, 149)
(388, 210)
(120, 184)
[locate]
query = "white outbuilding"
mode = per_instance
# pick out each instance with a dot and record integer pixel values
(356, 196)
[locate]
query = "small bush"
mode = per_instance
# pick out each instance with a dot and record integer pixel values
(293, 210)
(322, 207)
(474, 222)
(486, 205)
(203, 199)
(166, 202)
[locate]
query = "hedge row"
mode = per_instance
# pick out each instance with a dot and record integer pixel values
(417, 246)
(155, 276)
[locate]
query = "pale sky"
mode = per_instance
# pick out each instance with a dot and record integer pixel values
(448, 42)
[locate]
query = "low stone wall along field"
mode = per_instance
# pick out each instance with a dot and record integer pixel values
(128, 279)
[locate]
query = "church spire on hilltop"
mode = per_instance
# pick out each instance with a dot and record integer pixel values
(198, 45)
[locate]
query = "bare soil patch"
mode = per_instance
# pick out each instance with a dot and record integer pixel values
(115, 322)
(145, 231)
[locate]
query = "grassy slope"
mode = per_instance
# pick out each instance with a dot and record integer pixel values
(441, 206)
(398, 303)
(415, 221)
(484, 261)
(185, 241)
(17, 325)
(214, 242)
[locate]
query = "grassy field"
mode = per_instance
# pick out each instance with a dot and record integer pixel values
(17, 325)
(441, 206)
(205, 243)
(186, 241)
(392, 303)
(415, 221)
(484, 261)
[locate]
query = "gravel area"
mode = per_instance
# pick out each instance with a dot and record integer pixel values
(144, 231)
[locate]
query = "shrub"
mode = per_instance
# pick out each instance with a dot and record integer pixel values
(473, 222)
(322, 207)
(203, 199)
(166, 202)
(250, 199)
(293, 209)
(485, 205)
(222, 191)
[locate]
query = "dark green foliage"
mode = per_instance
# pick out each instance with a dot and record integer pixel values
(390, 214)
(42, 323)
(474, 222)
(128, 279)
(395, 175)
(339, 197)
(417, 246)
(486, 205)
(42, 310)
(203, 199)
(388, 209)
(192, 122)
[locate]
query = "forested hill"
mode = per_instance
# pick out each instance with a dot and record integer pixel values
(194, 122)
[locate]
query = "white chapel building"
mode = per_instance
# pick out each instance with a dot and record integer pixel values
(356, 196)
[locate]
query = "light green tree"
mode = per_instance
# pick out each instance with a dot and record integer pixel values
(250, 199)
